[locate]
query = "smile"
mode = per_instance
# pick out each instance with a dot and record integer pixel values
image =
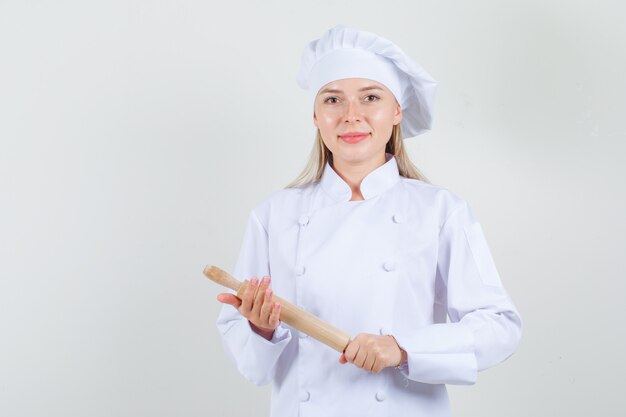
(353, 137)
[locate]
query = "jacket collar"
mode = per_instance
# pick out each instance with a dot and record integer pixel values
(374, 183)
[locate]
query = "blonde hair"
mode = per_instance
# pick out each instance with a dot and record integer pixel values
(320, 155)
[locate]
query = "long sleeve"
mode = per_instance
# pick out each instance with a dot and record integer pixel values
(254, 356)
(484, 328)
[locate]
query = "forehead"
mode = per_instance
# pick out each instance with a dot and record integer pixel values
(348, 85)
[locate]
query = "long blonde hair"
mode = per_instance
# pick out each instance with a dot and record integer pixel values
(320, 155)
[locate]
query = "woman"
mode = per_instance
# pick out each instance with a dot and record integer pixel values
(362, 241)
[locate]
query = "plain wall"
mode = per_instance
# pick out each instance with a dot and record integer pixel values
(135, 136)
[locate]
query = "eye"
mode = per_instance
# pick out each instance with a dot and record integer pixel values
(371, 97)
(330, 100)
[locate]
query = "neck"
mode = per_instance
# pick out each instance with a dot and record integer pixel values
(354, 172)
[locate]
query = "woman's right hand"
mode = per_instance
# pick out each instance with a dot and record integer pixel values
(256, 305)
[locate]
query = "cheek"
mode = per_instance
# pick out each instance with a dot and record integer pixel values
(387, 112)
(329, 143)
(383, 119)
(326, 120)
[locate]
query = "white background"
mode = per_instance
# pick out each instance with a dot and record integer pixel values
(135, 136)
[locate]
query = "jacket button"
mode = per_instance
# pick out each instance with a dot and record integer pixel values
(302, 335)
(397, 218)
(305, 395)
(380, 396)
(300, 270)
(389, 266)
(303, 220)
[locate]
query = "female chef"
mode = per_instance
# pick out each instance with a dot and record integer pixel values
(362, 241)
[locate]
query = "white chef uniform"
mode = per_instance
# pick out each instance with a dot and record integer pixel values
(397, 262)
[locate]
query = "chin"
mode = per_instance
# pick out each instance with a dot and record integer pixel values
(355, 157)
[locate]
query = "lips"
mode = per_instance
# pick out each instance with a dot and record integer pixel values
(353, 137)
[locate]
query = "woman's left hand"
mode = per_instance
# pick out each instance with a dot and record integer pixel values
(373, 353)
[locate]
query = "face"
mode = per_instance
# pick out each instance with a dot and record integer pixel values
(355, 117)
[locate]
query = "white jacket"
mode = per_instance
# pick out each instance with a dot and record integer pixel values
(396, 263)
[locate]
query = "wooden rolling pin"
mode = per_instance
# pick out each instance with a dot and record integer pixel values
(290, 314)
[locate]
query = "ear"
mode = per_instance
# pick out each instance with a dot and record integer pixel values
(397, 117)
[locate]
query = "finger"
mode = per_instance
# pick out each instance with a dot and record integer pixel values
(266, 308)
(360, 358)
(248, 297)
(227, 298)
(368, 364)
(275, 316)
(259, 297)
(351, 350)
(376, 366)
(342, 359)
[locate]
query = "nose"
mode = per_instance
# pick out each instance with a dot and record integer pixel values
(353, 112)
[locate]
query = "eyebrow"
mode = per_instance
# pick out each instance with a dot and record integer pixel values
(333, 90)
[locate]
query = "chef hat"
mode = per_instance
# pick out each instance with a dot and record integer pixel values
(344, 52)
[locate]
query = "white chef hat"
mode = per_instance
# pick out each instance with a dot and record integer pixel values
(343, 52)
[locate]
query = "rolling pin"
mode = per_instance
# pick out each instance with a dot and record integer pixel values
(290, 314)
